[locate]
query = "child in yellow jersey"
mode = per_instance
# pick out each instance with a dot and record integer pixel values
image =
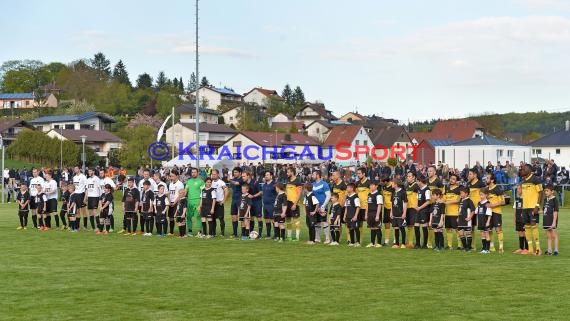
(293, 192)
(497, 200)
(387, 191)
(452, 198)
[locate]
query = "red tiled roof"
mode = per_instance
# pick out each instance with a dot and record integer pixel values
(267, 92)
(455, 129)
(92, 136)
(286, 125)
(319, 109)
(421, 136)
(278, 139)
(340, 134)
(387, 136)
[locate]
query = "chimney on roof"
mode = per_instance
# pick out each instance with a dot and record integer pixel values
(567, 125)
(287, 137)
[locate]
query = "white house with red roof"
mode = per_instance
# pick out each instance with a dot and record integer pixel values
(260, 96)
(344, 140)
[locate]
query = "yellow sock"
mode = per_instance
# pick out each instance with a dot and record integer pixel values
(459, 240)
(501, 238)
(449, 239)
(528, 235)
(387, 235)
(536, 237)
(411, 236)
(431, 236)
(361, 229)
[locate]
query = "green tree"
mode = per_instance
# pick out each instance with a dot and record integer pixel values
(21, 75)
(161, 80)
(192, 83)
(181, 85)
(250, 117)
(205, 82)
(101, 65)
(298, 98)
(120, 74)
(144, 81)
(287, 95)
(175, 82)
(134, 151)
(164, 103)
(82, 82)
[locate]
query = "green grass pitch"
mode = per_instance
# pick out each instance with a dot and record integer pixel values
(58, 275)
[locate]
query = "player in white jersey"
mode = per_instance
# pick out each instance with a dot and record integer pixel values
(146, 177)
(104, 180)
(157, 182)
(222, 192)
(80, 182)
(50, 190)
(173, 193)
(93, 195)
(35, 182)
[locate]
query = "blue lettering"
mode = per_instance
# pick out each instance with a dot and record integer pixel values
(225, 152)
(307, 152)
(185, 150)
(321, 156)
(246, 149)
(206, 150)
(273, 153)
(286, 154)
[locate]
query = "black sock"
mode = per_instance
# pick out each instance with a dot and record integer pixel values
(124, 223)
(403, 233)
(99, 226)
(282, 233)
(373, 236)
(171, 225)
(525, 243)
(425, 235)
(268, 229)
(143, 222)
(148, 224)
(181, 230)
(107, 227)
(222, 226)
(276, 232)
(521, 242)
(214, 226)
(397, 234)
(63, 222)
(159, 225)
(357, 232)
(35, 220)
(484, 243)
(464, 242)
(92, 221)
(352, 236)
(379, 236)
(135, 222)
(42, 224)
(85, 223)
(251, 225)
(337, 233)
(204, 228)
(242, 231)
(25, 219)
(235, 227)
(56, 220)
(247, 231)
(21, 217)
(417, 234)
(259, 228)
(48, 221)
(211, 227)
(112, 221)
(469, 242)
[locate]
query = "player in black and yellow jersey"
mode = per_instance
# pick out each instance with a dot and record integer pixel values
(496, 200)
(422, 213)
(293, 192)
(387, 191)
(474, 184)
(412, 194)
(433, 183)
(338, 186)
(532, 195)
(452, 198)
(362, 190)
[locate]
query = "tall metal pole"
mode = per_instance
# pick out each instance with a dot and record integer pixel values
(197, 94)
(173, 140)
(3, 187)
(61, 151)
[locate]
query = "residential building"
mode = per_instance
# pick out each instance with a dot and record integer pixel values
(187, 114)
(314, 111)
(352, 117)
(210, 134)
(261, 96)
(231, 116)
(87, 121)
(10, 129)
(101, 141)
(26, 100)
(554, 146)
(453, 129)
(350, 136)
(212, 97)
(482, 149)
(273, 147)
(393, 138)
(425, 153)
(319, 129)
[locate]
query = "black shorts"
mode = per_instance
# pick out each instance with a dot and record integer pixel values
(219, 210)
(234, 210)
(129, 215)
(372, 222)
(547, 223)
(353, 225)
(268, 211)
(278, 219)
(23, 212)
(92, 203)
(104, 214)
(160, 218)
(242, 217)
(398, 222)
(411, 217)
(496, 220)
(181, 220)
(481, 224)
(451, 222)
(147, 215)
(205, 212)
(33, 205)
(80, 202)
(256, 209)
(290, 212)
(529, 217)
(319, 217)
(361, 215)
(519, 226)
(63, 211)
(422, 217)
(386, 216)
(434, 226)
(171, 211)
(464, 228)
(51, 206)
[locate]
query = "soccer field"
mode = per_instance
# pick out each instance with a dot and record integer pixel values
(58, 275)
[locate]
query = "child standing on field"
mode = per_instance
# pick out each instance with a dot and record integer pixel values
(335, 214)
(74, 199)
(244, 211)
(437, 218)
(519, 221)
(550, 219)
(23, 200)
(351, 210)
(180, 214)
(484, 213)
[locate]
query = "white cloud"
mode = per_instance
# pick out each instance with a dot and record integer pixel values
(181, 44)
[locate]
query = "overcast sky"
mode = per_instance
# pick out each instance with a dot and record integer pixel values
(400, 59)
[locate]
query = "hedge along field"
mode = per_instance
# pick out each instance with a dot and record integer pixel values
(57, 275)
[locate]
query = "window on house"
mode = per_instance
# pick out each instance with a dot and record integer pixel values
(237, 143)
(365, 142)
(231, 118)
(558, 151)
(237, 155)
(56, 126)
(500, 152)
(443, 155)
(318, 130)
(537, 151)
(357, 142)
(510, 153)
(27, 103)
(69, 126)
